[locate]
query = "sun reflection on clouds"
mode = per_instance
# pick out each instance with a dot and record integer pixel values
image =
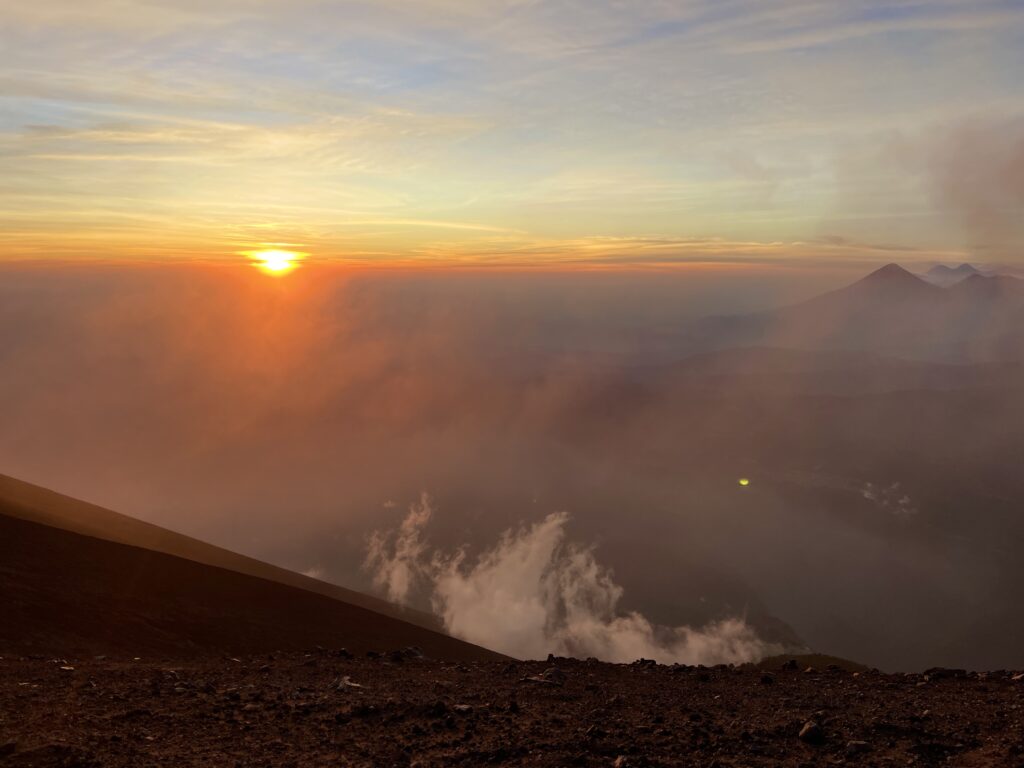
(275, 261)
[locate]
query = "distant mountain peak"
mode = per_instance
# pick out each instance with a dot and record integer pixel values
(891, 273)
(891, 284)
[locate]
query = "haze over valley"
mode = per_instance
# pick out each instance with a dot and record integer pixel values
(873, 423)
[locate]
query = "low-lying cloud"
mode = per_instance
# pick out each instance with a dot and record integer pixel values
(536, 592)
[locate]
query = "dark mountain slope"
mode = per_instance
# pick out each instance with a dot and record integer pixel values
(67, 593)
(40, 505)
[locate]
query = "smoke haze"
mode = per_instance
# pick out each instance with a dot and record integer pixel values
(535, 592)
(284, 418)
(979, 171)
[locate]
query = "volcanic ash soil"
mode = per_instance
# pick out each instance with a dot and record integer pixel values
(329, 708)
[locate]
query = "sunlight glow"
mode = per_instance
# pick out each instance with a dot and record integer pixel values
(274, 261)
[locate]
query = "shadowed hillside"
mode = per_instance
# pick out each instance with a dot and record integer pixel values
(65, 592)
(40, 505)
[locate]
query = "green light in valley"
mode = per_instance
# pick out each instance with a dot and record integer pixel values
(744, 481)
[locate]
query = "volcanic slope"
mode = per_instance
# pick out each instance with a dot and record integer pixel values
(79, 579)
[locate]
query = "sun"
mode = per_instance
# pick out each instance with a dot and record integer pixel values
(274, 261)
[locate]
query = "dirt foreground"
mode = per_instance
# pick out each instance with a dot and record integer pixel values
(327, 708)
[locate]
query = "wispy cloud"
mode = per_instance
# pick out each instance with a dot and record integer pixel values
(342, 124)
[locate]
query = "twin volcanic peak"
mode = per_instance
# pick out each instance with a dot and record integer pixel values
(945, 276)
(963, 280)
(892, 312)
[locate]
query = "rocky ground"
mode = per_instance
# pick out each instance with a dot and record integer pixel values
(327, 708)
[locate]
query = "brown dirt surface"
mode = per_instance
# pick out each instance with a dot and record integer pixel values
(328, 708)
(62, 592)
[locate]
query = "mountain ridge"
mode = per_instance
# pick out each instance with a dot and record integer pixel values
(891, 312)
(946, 276)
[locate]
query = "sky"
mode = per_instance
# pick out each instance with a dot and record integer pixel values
(513, 132)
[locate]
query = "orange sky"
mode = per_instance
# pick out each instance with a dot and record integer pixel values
(508, 133)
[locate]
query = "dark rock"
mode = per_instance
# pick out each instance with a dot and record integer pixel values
(857, 747)
(811, 733)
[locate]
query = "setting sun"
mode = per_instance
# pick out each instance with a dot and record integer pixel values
(275, 261)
